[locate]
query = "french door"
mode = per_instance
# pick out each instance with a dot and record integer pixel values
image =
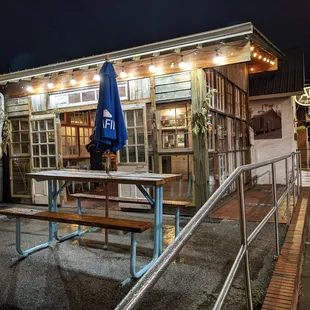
(133, 156)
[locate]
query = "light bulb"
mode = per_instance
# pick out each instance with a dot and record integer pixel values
(50, 85)
(182, 64)
(172, 65)
(152, 68)
(218, 60)
(123, 74)
(260, 57)
(252, 48)
(252, 69)
(30, 89)
(264, 59)
(96, 77)
(73, 81)
(255, 54)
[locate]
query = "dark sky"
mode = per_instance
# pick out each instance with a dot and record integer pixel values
(36, 32)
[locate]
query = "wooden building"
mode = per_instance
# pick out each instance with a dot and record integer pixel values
(52, 110)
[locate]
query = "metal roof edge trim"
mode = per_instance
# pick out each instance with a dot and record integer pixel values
(262, 40)
(195, 39)
(274, 96)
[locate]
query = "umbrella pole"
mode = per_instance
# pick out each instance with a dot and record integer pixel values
(107, 215)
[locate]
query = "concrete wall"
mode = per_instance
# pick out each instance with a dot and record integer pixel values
(270, 148)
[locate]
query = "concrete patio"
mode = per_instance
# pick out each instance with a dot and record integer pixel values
(78, 274)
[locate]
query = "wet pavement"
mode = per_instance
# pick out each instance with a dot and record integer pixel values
(78, 274)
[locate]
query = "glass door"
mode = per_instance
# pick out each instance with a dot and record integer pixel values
(133, 156)
(44, 153)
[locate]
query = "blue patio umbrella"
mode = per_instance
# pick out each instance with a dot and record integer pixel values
(110, 133)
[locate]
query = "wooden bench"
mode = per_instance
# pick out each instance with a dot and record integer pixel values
(86, 220)
(174, 204)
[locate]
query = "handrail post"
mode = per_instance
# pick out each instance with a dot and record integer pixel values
(243, 233)
(300, 175)
(288, 211)
(293, 177)
(297, 174)
(275, 204)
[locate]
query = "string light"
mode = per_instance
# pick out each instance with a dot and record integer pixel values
(30, 89)
(172, 65)
(252, 69)
(182, 63)
(152, 68)
(260, 57)
(123, 73)
(218, 59)
(255, 54)
(264, 59)
(73, 81)
(96, 77)
(50, 85)
(252, 48)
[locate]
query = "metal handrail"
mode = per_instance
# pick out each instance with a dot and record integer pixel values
(149, 279)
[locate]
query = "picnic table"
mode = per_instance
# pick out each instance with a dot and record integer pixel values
(141, 180)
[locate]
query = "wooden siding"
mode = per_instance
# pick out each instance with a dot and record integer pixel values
(173, 86)
(39, 103)
(139, 89)
(17, 107)
(237, 74)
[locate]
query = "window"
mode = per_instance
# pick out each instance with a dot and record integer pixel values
(237, 102)
(211, 133)
(43, 143)
(180, 164)
(220, 95)
(243, 105)
(221, 133)
(175, 122)
(69, 141)
(210, 84)
(229, 98)
(84, 134)
(20, 137)
(80, 118)
(20, 158)
(134, 151)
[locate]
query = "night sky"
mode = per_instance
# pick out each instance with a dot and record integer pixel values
(36, 32)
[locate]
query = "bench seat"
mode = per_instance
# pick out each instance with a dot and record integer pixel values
(130, 200)
(86, 220)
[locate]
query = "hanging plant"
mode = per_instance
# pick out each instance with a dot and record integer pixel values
(201, 123)
(6, 132)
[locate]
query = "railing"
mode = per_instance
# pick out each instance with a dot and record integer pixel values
(304, 158)
(137, 293)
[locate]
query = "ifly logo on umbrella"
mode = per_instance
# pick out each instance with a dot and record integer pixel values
(108, 122)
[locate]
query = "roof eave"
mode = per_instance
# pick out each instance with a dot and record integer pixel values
(217, 35)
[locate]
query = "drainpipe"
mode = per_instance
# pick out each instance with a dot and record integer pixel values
(1, 151)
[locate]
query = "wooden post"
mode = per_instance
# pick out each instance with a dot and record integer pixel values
(200, 145)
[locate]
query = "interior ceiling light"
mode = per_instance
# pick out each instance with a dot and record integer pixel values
(73, 81)
(123, 74)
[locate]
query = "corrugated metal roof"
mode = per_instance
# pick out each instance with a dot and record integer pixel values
(289, 78)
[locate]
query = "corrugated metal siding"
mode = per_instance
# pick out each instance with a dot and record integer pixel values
(288, 78)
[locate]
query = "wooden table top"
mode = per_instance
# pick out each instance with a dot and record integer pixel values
(119, 177)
